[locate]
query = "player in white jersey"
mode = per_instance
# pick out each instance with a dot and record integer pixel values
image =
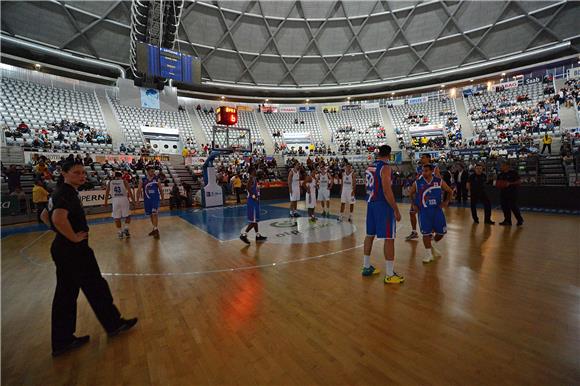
(120, 192)
(294, 188)
(347, 194)
(310, 185)
(324, 183)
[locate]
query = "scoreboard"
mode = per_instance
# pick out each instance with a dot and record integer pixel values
(165, 63)
(225, 115)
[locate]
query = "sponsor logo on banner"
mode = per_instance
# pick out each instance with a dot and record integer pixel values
(507, 85)
(97, 197)
(307, 109)
(418, 100)
(350, 107)
(426, 128)
(269, 109)
(574, 72)
(244, 108)
(287, 109)
(301, 231)
(397, 102)
(532, 80)
(374, 105)
(330, 109)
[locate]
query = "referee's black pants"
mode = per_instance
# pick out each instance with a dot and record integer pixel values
(77, 269)
(509, 205)
(476, 198)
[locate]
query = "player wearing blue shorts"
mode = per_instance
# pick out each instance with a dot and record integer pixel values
(253, 208)
(382, 216)
(428, 193)
(152, 196)
(424, 160)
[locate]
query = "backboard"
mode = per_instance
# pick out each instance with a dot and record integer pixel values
(231, 139)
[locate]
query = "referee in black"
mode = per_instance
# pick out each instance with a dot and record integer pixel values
(510, 181)
(76, 266)
(476, 187)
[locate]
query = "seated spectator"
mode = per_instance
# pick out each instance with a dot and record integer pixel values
(122, 148)
(23, 128)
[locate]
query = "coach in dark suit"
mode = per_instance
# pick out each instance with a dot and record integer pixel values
(461, 183)
(476, 187)
(508, 182)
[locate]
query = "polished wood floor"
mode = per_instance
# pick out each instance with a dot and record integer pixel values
(502, 307)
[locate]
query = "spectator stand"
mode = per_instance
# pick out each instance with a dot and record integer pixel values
(39, 116)
(355, 129)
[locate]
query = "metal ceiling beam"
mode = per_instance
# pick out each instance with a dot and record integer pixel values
(430, 46)
(351, 41)
(272, 39)
(312, 40)
(78, 29)
(390, 44)
(90, 26)
(546, 24)
(505, 7)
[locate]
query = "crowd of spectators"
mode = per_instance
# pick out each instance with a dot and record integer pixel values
(512, 122)
(63, 135)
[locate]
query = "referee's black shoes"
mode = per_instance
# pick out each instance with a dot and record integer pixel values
(126, 324)
(75, 343)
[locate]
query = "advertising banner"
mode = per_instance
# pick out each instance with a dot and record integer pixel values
(149, 98)
(244, 108)
(307, 109)
(330, 109)
(97, 197)
(574, 72)
(350, 107)
(414, 130)
(397, 102)
(287, 109)
(269, 109)
(418, 100)
(374, 105)
(532, 80)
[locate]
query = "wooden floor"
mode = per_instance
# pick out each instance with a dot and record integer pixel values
(501, 307)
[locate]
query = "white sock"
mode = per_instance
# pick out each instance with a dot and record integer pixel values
(390, 267)
(428, 252)
(244, 234)
(125, 226)
(366, 261)
(154, 228)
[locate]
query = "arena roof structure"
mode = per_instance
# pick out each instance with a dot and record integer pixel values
(303, 48)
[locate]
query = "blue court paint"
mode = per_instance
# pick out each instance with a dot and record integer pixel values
(225, 223)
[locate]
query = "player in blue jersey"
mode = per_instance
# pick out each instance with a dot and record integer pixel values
(253, 208)
(152, 196)
(382, 216)
(424, 160)
(428, 193)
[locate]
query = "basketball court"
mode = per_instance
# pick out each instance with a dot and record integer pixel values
(500, 307)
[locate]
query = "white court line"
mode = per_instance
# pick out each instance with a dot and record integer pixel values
(29, 258)
(245, 268)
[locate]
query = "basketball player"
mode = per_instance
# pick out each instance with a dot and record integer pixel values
(294, 188)
(253, 205)
(310, 185)
(429, 200)
(324, 183)
(424, 160)
(121, 191)
(347, 194)
(382, 214)
(152, 195)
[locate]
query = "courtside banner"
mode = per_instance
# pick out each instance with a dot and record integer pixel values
(374, 105)
(574, 72)
(97, 197)
(418, 100)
